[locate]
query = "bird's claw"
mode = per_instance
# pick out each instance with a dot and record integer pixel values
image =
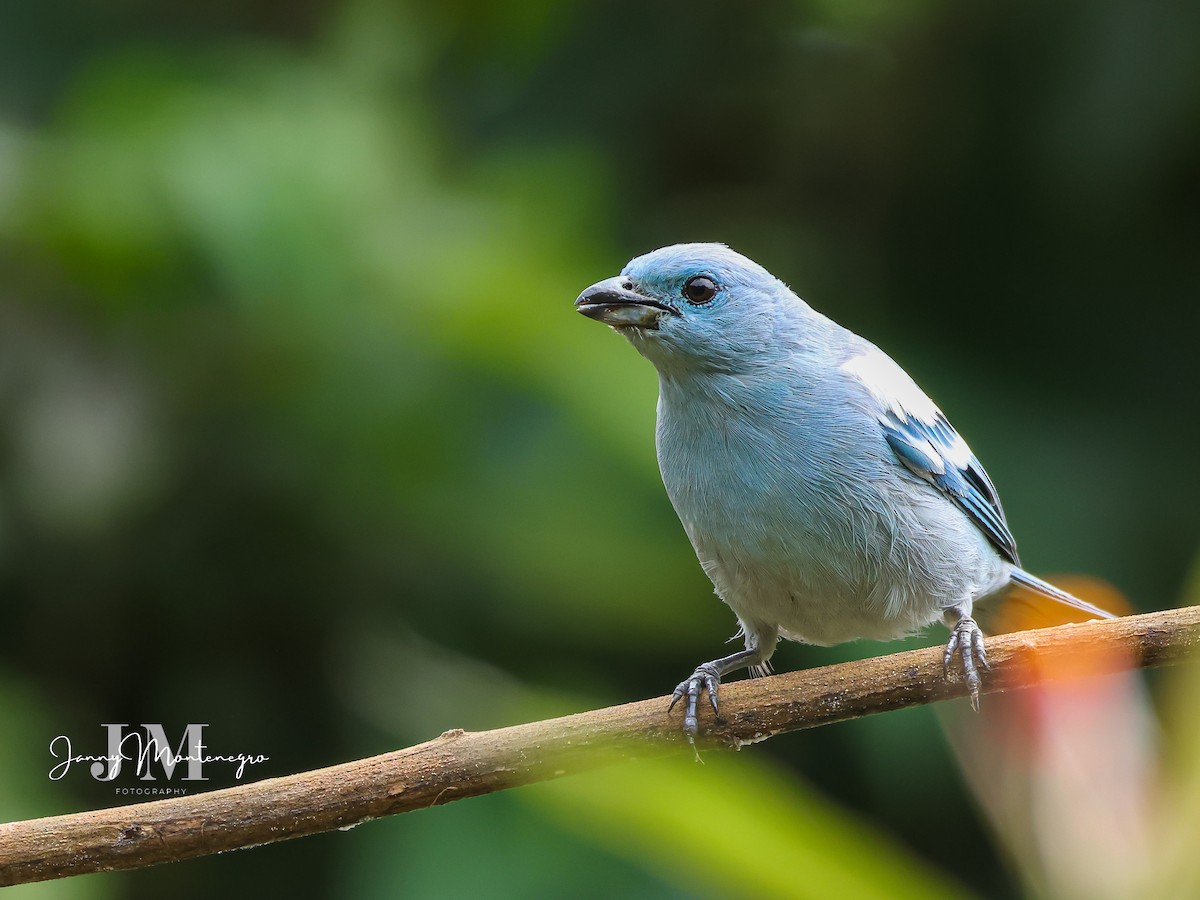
(966, 640)
(704, 679)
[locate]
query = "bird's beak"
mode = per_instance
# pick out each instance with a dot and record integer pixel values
(614, 302)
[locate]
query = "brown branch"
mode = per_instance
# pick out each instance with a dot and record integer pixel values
(460, 764)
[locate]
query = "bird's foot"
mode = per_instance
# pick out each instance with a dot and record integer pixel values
(966, 640)
(705, 678)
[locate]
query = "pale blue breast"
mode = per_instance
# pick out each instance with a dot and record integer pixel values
(798, 510)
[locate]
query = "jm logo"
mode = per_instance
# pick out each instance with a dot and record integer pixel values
(151, 755)
(148, 749)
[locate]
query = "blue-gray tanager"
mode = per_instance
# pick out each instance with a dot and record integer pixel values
(826, 496)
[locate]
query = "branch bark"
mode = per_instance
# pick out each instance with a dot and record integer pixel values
(460, 764)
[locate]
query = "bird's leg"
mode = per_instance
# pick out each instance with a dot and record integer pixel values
(966, 640)
(707, 677)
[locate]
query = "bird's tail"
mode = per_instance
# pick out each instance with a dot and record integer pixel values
(1045, 589)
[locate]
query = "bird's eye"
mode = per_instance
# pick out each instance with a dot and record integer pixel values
(700, 289)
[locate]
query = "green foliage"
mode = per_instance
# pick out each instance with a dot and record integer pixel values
(736, 827)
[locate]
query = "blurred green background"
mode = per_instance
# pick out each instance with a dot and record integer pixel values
(301, 437)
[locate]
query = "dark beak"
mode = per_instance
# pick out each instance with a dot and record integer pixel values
(614, 302)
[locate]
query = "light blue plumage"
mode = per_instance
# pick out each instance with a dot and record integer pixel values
(826, 496)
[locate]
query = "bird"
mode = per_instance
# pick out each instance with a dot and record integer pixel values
(827, 497)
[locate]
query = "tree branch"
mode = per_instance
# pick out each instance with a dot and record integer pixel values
(460, 764)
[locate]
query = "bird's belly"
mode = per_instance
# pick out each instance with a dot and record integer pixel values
(830, 575)
(810, 601)
(829, 616)
(802, 537)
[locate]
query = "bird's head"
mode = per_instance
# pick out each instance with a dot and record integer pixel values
(692, 306)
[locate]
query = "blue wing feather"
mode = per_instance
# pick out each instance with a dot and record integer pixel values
(930, 450)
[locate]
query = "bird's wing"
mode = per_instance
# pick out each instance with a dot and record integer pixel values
(929, 447)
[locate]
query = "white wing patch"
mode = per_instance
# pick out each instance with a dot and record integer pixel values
(900, 395)
(891, 385)
(929, 447)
